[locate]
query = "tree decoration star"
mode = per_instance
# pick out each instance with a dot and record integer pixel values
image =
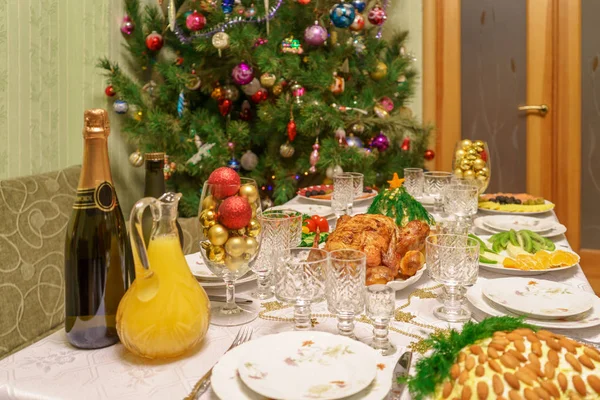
(396, 182)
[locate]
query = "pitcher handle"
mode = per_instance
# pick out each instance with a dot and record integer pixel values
(140, 253)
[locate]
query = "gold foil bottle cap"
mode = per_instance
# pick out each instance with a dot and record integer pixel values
(95, 121)
(158, 156)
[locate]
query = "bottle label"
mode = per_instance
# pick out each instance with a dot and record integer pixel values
(101, 197)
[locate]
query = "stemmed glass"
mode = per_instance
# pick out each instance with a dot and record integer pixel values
(435, 183)
(300, 280)
(343, 193)
(452, 260)
(380, 305)
(346, 278)
(461, 201)
(276, 236)
(229, 242)
(414, 181)
(357, 184)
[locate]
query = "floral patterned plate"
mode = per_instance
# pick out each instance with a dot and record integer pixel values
(307, 365)
(538, 298)
(588, 319)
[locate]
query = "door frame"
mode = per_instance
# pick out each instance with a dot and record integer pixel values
(554, 141)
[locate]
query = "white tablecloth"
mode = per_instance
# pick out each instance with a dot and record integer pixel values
(52, 369)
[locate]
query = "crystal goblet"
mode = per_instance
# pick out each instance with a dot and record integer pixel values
(300, 280)
(435, 183)
(461, 200)
(414, 181)
(346, 278)
(343, 193)
(357, 185)
(452, 260)
(380, 306)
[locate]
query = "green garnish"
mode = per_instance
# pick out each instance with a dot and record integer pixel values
(308, 239)
(391, 201)
(435, 369)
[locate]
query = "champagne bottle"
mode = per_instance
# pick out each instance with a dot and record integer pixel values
(98, 260)
(155, 187)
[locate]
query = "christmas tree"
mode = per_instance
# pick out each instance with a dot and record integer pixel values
(284, 92)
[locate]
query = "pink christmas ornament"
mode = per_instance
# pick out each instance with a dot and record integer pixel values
(387, 103)
(127, 26)
(380, 142)
(242, 73)
(314, 157)
(377, 15)
(315, 35)
(195, 21)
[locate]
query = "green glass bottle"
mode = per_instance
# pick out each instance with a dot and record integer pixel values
(155, 187)
(98, 260)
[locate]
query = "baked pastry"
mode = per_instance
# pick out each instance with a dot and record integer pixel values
(384, 243)
(522, 364)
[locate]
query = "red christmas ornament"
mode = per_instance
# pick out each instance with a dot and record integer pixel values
(154, 41)
(260, 96)
(429, 154)
(291, 130)
(179, 61)
(226, 182)
(377, 15)
(235, 212)
(483, 155)
(406, 145)
(110, 91)
(225, 106)
(303, 2)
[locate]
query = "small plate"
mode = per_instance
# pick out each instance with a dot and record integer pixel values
(507, 222)
(310, 209)
(518, 213)
(206, 277)
(556, 230)
(304, 365)
(538, 298)
(399, 284)
(586, 320)
(302, 194)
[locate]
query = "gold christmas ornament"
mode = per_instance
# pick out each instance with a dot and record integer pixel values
(234, 263)
(469, 174)
(460, 153)
(250, 192)
(380, 71)
(235, 246)
(277, 89)
(209, 203)
(478, 143)
(286, 150)
(458, 173)
(268, 80)
(253, 228)
(465, 165)
(472, 152)
(405, 112)
(478, 164)
(482, 178)
(216, 254)
(466, 144)
(217, 93)
(208, 218)
(251, 246)
(218, 235)
(478, 149)
(484, 172)
(253, 206)
(136, 159)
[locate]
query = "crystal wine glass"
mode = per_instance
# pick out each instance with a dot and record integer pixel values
(461, 201)
(229, 241)
(357, 184)
(380, 305)
(275, 236)
(472, 162)
(414, 181)
(300, 280)
(346, 278)
(435, 182)
(343, 193)
(452, 260)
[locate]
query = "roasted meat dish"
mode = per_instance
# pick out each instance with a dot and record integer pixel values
(392, 251)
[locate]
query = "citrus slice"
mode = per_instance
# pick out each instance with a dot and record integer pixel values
(544, 257)
(529, 262)
(563, 258)
(509, 263)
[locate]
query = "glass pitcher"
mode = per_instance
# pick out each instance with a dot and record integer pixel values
(165, 312)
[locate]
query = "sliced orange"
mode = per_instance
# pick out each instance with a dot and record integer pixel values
(529, 262)
(509, 263)
(544, 257)
(563, 258)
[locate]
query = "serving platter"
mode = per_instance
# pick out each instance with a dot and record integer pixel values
(327, 200)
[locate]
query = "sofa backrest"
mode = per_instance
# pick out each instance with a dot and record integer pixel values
(34, 213)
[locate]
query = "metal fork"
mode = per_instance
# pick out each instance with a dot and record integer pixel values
(243, 335)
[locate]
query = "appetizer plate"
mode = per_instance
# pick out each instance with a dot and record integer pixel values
(557, 229)
(487, 210)
(297, 365)
(537, 298)
(403, 284)
(504, 223)
(302, 194)
(310, 209)
(588, 319)
(227, 384)
(206, 277)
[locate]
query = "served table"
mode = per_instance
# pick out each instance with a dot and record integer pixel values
(52, 369)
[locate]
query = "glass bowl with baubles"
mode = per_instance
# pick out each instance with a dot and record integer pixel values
(472, 163)
(229, 237)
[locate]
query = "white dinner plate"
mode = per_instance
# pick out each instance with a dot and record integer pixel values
(538, 298)
(518, 213)
(399, 284)
(360, 199)
(586, 320)
(205, 275)
(310, 209)
(304, 365)
(227, 384)
(507, 222)
(556, 230)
